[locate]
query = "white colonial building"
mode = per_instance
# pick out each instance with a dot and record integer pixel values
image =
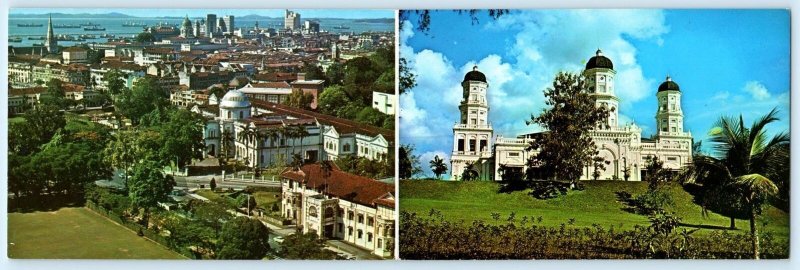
(261, 133)
(621, 146)
(334, 204)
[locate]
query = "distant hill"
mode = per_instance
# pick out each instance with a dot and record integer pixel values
(378, 20)
(255, 17)
(79, 15)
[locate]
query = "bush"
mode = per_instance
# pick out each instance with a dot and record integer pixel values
(548, 189)
(652, 201)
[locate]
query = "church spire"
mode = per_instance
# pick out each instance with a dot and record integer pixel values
(51, 43)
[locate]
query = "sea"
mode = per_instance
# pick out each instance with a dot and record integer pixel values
(114, 26)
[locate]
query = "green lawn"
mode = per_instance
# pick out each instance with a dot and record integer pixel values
(597, 204)
(77, 233)
(266, 198)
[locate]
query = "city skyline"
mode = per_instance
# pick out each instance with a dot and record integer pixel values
(273, 13)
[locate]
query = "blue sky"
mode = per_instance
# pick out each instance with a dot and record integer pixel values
(727, 62)
(305, 13)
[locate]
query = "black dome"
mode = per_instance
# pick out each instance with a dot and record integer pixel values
(669, 85)
(475, 75)
(599, 61)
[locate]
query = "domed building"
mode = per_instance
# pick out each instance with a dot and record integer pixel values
(186, 28)
(621, 146)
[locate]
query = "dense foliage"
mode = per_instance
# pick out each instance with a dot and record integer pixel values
(566, 148)
(305, 246)
(243, 238)
(523, 238)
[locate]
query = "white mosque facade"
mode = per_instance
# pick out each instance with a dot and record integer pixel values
(621, 146)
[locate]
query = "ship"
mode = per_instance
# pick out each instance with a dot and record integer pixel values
(342, 27)
(14, 39)
(94, 28)
(29, 25)
(36, 38)
(133, 24)
(106, 36)
(66, 26)
(89, 24)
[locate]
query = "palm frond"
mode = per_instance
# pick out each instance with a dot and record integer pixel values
(757, 184)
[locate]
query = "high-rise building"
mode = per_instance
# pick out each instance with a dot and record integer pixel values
(229, 23)
(211, 24)
(51, 43)
(311, 27)
(221, 26)
(291, 20)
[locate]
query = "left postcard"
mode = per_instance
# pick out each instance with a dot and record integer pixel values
(201, 134)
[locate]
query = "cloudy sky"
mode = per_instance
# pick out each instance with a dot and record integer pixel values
(727, 62)
(277, 13)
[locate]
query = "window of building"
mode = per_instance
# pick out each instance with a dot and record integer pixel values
(369, 237)
(483, 145)
(472, 145)
(461, 145)
(346, 147)
(312, 211)
(380, 243)
(672, 159)
(360, 234)
(370, 221)
(361, 218)
(513, 154)
(340, 212)
(241, 115)
(350, 215)
(673, 129)
(341, 227)
(350, 230)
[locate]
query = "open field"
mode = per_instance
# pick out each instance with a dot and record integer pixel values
(77, 233)
(598, 204)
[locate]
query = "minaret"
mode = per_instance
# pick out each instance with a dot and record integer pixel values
(472, 135)
(599, 75)
(51, 43)
(669, 117)
(256, 28)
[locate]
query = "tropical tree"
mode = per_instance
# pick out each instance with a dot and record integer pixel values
(301, 132)
(305, 246)
(120, 152)
(409, 162)
(743, 156)
(470, 173)
(273, 135)
(115, 81)
(243, 238)
(147, 187)
(566, 148)
(438, 167)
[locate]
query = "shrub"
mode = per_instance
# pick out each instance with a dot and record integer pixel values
(652, 201)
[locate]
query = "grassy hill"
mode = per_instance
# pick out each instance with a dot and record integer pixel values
(597, 204)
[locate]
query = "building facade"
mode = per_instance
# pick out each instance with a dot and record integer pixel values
(337, 205)
(622, 146)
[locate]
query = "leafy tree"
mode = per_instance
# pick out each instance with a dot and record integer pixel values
(371, 116)
(304, 246)
(54, 96)
(407, 79)
(145, 37)
(335, 74)
(187, 233)
(409, 162)
(148, 186)
(331, 100)
(115, 81)
(211, 214)
(243, 238)
(566, 147)
(40, 124)
(145, 96)
(299, 99)
(217, 91)
(121, 152)
(438, 167)
(181, 134)
(313, 72)
(742, 159)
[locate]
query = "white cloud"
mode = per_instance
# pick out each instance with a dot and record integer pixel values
(757, 90)
(722, 95)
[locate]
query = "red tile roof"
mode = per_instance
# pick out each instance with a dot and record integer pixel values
(343, 185)
(343, 126)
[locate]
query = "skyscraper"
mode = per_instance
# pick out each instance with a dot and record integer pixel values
(211, 24)
(291, 20)
(229, 23)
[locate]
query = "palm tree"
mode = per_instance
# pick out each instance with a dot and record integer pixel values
(301, 132)
(743, 157)
(273, 135)
(469, 173)
(438, 167)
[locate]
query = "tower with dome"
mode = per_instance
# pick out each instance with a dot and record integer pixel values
(621, 145)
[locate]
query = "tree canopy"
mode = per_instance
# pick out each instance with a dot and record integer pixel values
(243, 238)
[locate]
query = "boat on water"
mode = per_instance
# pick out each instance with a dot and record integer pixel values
(14, 39)
(341, 27)
(94, 28)
(66, 26)
(29, 25)
(36, 38)
(106, 36)
(134, 24)
(89, 24)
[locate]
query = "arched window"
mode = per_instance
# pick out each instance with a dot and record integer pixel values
(312, 211)
(328, 212)
(346, 147)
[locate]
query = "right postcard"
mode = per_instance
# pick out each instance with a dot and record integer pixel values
(594, 134)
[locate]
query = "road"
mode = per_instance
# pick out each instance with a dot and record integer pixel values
(196, 181)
